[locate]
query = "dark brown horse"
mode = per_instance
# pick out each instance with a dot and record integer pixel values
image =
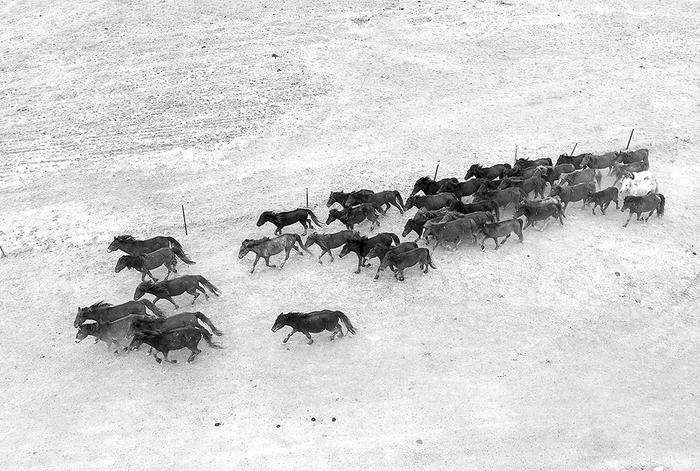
(574, 160)
(606, 160)
(501, 197)
(581, 176)
(631, 156)
(177, 321)
(131, 246)
(535, 211)
(431, 202)
(354, 215)
(341, 197)
(286, 218)
(330, 241)
(313, 322)
(165, 342)
(146, 262)
(641, 204)
(388, 198)
(105, 313)
(403, 260)
(603, 199)
(363, 245)
(569, 194)
(489, 173)
(485, 205)
(462, 189)
(266, 247)
(191, 284)
(429, 186)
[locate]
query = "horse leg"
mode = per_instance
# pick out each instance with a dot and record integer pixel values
(290, 334)
(195, 351)
(155, 280)
(397, 206)
(652, 212)
(308, 336)
(279, 230)
(173, 302)
(628, 219)
(194, 293)
(359, 264)
(257, 257)
(319, 257)
(495, 239)
(504, 240)
(528, 224)
(165, 357)
(204, 292)
(286, 256)
(594, 205)
(303, 223)
(267, 261)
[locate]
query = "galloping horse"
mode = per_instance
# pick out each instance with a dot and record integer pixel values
(315, 321)
(640, 204)
(131, 246)
(266, 247)
(280, 220)
(105, 313)
(191, 284)
(146, 262)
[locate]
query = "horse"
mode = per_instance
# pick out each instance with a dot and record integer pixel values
(380, 250)
(620, 169)
(363, 245)
(354, 215)
(527, 163)
(606, 160)
(552, 174)
(485, 205)
(430, 186)
(501, 197)
(286, 218)
(314, 322)
(462, 189)
(638, 184)
(330, 241)
(105, 313)
(640, 204)
(419, 219)
(165, 342)
(266, 247)
(489, 173)
(479, 218)
(631, 156)
(500, 229)
(603, 199)
(534, 183)
(127, 243)
(388, 198)
(538, 212)
(431, 202)
(581, 176)
(453, 231)
(191, 284)
(113, 333)
(148, 261)
(401, 261)
(573, 193)
(574, 160)
(341, 197)
(177, 321)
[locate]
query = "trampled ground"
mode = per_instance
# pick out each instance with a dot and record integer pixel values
(538, 356)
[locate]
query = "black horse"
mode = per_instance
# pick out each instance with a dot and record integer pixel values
(128, 244)
(485, 205)
(489, 173)
(388, 198)
(354, 215)
(191, 284)
(165, 342)
(430, 186)
(362, 246)
(315, 322)
(534, 211)
(341, 197)
(330, 241)
(574, 160)
(287, 218)
(641, 204)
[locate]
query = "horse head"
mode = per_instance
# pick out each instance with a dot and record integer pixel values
(333, 214)
(246, 246)
(280, 322)
(114, 245)
(142, 289)
(264, 217)
(85, 330)
(79, 317)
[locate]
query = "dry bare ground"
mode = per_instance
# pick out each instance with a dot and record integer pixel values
(577, 349)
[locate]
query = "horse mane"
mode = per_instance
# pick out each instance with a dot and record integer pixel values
(131, 261)
(98, 305)
(125, 238)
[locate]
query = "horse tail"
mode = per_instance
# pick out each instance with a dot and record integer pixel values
(313, 217)
(395, 238)
(214, 290)
(346, 321)
(174, 243)
(430, 261)
(662, 205)
(399, 198)
(152, 307)
(207, 337)
(208, 322)
(181, 255)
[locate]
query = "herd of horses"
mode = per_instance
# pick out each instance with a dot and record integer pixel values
(442, 215)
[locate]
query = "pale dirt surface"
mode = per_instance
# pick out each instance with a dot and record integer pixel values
(537, 356)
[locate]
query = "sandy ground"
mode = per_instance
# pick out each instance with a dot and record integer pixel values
(574, 350)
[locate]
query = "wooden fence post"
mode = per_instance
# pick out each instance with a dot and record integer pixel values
(307, 197)
(184, 219)
(436, 169)
(629, 140)
(3, 252)
(573, 150)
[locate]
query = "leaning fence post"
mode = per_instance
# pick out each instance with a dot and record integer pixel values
(436, 169)
(3, 252)
(307, 197)
(184, 219)
(629, 140)
(573, 150)
(515, 159)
